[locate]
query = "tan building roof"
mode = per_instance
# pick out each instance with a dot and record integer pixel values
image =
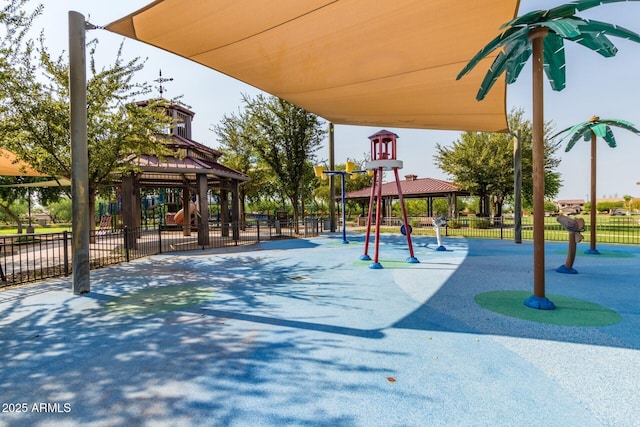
(571, 202)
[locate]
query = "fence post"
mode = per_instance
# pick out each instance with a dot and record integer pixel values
(159, 238)
(65, 242)
(236, 232)
(501, 226)
(126, 243)
(258, 229)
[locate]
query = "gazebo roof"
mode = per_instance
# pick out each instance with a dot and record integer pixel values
(191, 158)
(412, 188)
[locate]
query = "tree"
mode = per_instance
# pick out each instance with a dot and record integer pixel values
(234, 136)
(627, 202)
(541, 34)
(14, 190)
(60, 210)
(35, 121)
(590, 130)
(285, 138)
(482, 163)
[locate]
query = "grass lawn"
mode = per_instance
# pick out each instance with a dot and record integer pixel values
(37, 229)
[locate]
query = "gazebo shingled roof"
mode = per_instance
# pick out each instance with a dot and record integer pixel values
(192, 158)
(413, 188)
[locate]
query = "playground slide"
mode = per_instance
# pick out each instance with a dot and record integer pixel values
(179, 216)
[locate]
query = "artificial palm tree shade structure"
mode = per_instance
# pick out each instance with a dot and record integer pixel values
(590, 131)
(540, 34)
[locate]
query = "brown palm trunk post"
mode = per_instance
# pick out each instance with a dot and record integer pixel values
(574, 226)
(538, 299)
(571, 254)
(594, 211)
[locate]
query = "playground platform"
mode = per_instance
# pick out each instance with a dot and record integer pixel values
(301, 332)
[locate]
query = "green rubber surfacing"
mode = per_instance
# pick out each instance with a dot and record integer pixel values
(154, 300)
(568, 311)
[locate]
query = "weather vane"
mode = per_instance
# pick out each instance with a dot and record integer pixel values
(161, 80)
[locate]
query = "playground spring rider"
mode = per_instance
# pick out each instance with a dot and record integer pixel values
(383, 158)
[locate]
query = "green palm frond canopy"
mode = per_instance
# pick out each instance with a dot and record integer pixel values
(562, 23)
(599, 127)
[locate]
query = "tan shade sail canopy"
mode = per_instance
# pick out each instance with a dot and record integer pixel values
(11, 166)
(359, 62)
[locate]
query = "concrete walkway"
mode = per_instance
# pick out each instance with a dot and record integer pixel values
(302, 333)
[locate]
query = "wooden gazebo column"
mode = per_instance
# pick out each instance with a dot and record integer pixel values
(186, 201)
(235, 209)
(224, 212)
(130, 209)
(203, 207)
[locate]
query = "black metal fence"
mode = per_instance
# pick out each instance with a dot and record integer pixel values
(620, 230)
(609, 229)
(33, 257)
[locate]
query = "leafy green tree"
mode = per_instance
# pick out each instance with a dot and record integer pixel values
(285, 138)
(8, 198)
(35, 121)
(13, 194)
(482, 163)
(627, 202)
(15, 22)
(550, 206)
(234, 136)
(60, 210)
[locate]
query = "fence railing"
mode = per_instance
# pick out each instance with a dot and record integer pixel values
(621, 230)
(32, 257)
(609, 229)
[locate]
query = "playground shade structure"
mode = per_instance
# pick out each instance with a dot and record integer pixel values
(392, 64)
(11, 166)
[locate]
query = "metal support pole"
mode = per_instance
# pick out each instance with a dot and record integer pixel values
(332, 186)
(594, 205)
(407, 226)
(378, 215)
(79, 154)
(365, 256)
(344, 210)
(517, 186)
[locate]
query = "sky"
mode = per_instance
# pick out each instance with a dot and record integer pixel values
(605, 87)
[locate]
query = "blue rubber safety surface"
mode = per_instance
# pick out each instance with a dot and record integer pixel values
(303, 333)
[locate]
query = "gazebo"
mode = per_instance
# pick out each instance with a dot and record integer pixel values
(415, 188)
(193, 168)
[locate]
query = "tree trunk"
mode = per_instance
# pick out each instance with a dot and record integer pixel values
(498, 206)
(13, 217)
(296, 213)
(536, 37)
